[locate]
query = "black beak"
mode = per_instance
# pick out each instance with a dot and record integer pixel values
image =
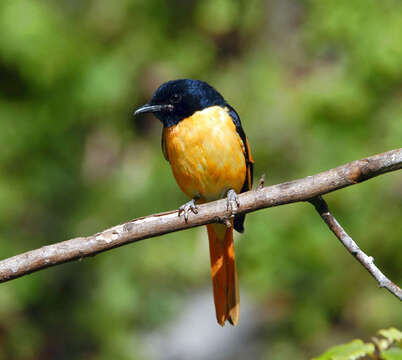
(153, 108)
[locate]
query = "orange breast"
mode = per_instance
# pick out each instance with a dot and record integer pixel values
(206, 154)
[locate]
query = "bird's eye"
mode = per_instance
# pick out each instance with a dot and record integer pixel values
(175, 98)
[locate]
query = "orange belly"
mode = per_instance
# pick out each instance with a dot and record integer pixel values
(206, 154)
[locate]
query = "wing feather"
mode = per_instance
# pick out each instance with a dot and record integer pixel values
(163, 143)
(248, 181)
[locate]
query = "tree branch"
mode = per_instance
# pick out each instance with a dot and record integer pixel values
(367, 261)
(158, 224)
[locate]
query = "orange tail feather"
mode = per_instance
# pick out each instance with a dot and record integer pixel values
(224, 273)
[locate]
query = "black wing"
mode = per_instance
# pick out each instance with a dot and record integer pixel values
(248, 181)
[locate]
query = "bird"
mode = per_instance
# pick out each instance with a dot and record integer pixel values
(207, 148)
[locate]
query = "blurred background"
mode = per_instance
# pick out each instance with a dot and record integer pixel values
(316, 84)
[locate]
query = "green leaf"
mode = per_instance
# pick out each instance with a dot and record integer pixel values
(392, 354)
(350, 351)
(391, 334)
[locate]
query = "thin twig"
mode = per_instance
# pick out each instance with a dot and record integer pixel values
(367, 261)
(261, 182)
(159, 224)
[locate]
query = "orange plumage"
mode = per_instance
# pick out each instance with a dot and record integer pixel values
(224, 273)
(206, 154)
(207, 157)
(210, 158)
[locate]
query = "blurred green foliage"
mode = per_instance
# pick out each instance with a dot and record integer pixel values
(355, 349)
(386, 347)
(316, 83)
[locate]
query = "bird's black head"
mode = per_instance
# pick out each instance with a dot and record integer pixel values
(177, 99)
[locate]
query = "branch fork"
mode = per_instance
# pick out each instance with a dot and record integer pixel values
(310, 188)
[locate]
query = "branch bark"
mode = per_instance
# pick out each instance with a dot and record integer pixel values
(304, 189)
(367, 261)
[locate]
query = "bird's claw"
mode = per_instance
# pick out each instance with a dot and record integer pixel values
(187, 207)
(232, 201)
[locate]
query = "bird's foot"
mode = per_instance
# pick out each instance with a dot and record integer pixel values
(187, 207)
(232, 201)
